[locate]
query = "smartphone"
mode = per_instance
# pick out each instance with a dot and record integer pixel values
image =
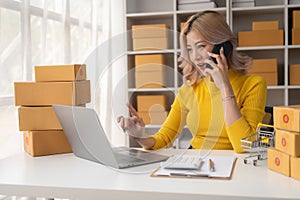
(227, 46)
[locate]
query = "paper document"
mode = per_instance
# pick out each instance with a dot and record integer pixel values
(223, 168)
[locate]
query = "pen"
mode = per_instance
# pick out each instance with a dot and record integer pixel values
(211, 166)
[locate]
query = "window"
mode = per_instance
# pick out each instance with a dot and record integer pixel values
(44, 32)
(47, 32)
(10, 49)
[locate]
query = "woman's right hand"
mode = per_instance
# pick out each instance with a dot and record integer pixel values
(134, 125)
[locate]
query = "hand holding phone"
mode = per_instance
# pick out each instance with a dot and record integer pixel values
(227, 47)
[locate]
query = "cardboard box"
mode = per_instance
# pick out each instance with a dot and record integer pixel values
(41, 143)
(295, 36)
(265, 25)
(60, 73)
(271, 78)
(295, 166)
(294, 74)
(38, 118)
(267, 68)
(149, 71)
(140, 44)
(153, 117)
(150, 37)
(153, 102)
(288, 142)
(296, 19)
(150, 78)
(279, 161)
(260, 38)
(264, 65)
(149, 59)
(49, 93)
(150, 31)
(287, 117)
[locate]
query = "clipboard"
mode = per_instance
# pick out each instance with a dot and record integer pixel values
(224, 167)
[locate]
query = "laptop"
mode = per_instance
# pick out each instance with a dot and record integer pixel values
(88, 140)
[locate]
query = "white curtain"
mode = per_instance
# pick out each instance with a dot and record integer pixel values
(111, 81)
(46, 32)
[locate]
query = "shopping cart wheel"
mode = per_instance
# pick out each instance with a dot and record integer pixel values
(255, 162)
(259, 157)
(245, 161)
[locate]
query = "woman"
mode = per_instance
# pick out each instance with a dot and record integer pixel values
(219, 102)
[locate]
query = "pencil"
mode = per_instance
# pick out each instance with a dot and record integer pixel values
(211, 165)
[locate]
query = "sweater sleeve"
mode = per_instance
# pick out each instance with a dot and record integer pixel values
(171, 127)
(252, 100)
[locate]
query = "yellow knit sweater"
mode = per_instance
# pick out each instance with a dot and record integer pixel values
(200, 108)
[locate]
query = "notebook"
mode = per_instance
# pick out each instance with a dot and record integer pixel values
(88, 140)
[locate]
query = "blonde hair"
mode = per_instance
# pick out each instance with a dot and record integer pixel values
(214, 29)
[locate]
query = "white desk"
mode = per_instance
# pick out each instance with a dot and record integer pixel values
(66, 176)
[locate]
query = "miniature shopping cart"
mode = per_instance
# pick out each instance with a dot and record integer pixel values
(258, 143)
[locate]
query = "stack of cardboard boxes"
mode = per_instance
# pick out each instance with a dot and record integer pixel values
(60, 84)
(150, 37)
(152, 108)
(296, 27)
(150, 71)
(264, 33)
(294, 69)
(285, 157)
(267, 68)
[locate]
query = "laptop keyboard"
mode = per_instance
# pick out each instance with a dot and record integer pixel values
(183, 162)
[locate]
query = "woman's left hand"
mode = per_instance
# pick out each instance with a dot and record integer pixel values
(219, 71)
